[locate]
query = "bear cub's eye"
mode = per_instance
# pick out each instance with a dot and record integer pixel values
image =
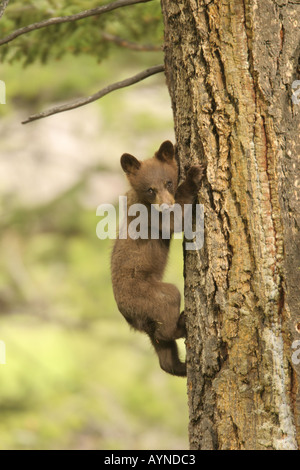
(169, 184)
(151, 191)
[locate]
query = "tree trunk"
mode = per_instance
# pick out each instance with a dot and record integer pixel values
(230, 68)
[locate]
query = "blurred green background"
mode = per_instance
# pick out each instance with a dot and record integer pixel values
(76, 376)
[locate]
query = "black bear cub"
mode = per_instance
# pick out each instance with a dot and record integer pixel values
(137, 265)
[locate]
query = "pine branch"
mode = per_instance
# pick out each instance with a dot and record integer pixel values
(65, 19)
(83, 101)
(3, 5)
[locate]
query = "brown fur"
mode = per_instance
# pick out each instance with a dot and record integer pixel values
(147, 303)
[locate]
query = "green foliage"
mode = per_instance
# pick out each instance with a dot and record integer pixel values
(76, 376)
(70, 78)
(137, 23)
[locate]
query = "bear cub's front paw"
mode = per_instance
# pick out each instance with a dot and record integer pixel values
(196, 173)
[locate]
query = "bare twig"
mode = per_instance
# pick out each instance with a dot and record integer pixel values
(65, 19)
(3, 5)
(130, 45)
(83, 101)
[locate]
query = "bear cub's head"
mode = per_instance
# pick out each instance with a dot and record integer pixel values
(154, 180)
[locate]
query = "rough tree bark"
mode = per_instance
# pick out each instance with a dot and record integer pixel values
(230, 66)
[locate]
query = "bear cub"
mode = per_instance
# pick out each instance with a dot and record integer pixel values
(137, 265)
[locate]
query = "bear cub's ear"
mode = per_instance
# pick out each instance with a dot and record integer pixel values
(165, 152)
(129, 163)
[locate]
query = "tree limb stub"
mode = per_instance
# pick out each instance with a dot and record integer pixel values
(65, 19)
(104, 91)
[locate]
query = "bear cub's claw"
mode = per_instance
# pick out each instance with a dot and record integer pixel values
(196, 173)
